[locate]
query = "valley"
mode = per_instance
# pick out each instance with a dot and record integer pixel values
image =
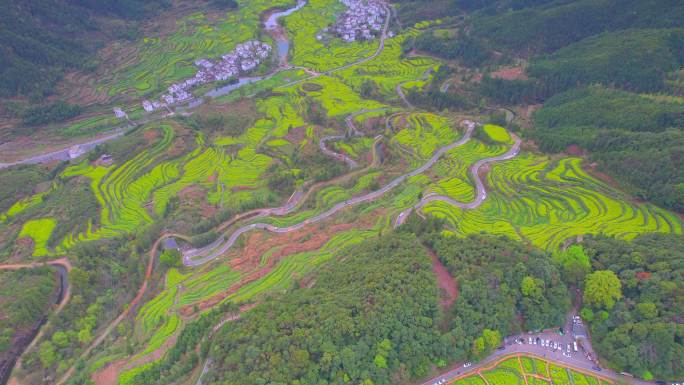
(280, 177)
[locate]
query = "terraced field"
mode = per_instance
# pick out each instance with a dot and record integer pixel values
(39, 230)
(164, 58)
(516, 371)
(534, 198)
(546, 202)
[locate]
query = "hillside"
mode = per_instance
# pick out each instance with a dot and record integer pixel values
(343, 192)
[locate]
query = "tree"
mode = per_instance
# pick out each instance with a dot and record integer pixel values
(575, 263)
(170, 258)
(60, 339)
(532, 287)
(602, 289)
(47, 354)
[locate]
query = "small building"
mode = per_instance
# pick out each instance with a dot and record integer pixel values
(170, 244)
(119, 113)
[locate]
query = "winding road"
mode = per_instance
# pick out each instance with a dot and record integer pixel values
(222, 245)
(198, 257)
(480, 190)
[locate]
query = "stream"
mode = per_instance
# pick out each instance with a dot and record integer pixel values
(282, 47)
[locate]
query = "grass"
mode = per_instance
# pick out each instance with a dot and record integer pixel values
(39, 230)
(497, 133)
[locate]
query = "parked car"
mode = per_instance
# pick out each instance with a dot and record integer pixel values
(467, 364)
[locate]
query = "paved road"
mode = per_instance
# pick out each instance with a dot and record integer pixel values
(63, 154)
(222, 245)
(63, 266)
(480, 190)
(584, 360)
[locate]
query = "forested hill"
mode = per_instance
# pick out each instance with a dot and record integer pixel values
(594, 64)
(39, 39)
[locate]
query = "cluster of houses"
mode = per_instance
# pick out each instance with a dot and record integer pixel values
(244, 58)
(363, 20)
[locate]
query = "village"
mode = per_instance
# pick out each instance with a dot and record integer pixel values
(362, 20)
(244, 58)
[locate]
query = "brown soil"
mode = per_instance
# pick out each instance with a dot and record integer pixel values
(256, 246)
(151, 135)
(593, 170)
(109, 375)
(445, 281)
(510, 73)
(574, 150)
(296, 135)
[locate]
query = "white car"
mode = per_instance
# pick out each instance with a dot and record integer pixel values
(467, 364)
(529, 340)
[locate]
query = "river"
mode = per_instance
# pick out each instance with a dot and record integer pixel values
(282, 48)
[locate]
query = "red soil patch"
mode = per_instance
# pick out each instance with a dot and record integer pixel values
(150, 135)
(109, 375)
(510, 73)
(191, 193)
(445, 281)
(241, 188)
(574, 150)
(643, 275)
(255, 247)
(213, 177)
(296, 135)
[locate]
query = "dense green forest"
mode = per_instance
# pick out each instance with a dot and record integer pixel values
(500, 282)
(372, 314)
(642, 333)
(553, 25)
(40, 39)
(24, 299)
(572, 47)
(634, 59)
(637, 139)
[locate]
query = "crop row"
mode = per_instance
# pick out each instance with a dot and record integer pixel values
(523, 202)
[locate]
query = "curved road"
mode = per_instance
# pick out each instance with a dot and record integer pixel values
(63, 154)
(480, 190)
(195, 258)
(63, 266)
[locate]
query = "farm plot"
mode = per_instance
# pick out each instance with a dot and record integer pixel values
(546, 203)
(157, 61)
(513, 372)
(423, 133)
(497, 133)
(302, 28)
(388, 70)
(124, 191)
(39, 230)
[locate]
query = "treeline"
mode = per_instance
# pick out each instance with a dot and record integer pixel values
(40, 39)
(182, 358)
(636, 60)
(25, 296)
(371, 316)
(467, 50)
(50, 113)
(643, 331)
(105, 276)
(504, 285)
(368, 319)
(549, 27)
(431, 96)
(637, 139)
